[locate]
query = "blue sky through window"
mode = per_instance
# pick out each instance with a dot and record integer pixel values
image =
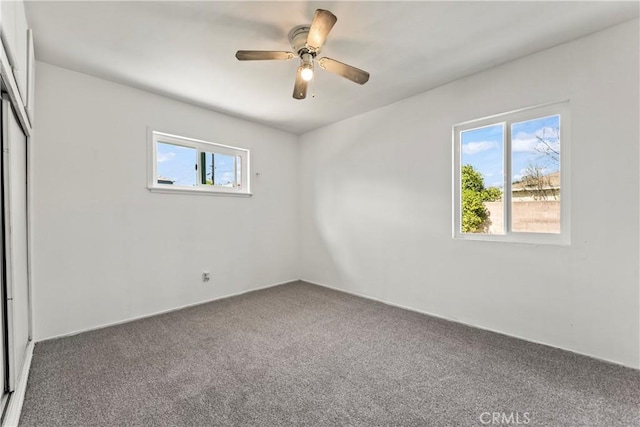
(482, 149)
(224, 169)
(535, 143)
(177, 164)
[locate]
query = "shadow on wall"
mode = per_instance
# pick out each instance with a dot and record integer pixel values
(366, 209)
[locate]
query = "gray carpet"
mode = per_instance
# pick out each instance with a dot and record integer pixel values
(299, 354)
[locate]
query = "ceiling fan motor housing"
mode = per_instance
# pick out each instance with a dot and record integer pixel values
(298, 40)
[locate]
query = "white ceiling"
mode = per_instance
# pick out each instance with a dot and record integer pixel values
(185, 50)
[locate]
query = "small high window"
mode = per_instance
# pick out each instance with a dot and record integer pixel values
(186, 164)
(511, 176)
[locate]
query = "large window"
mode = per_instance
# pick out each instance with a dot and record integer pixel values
(511, 176)
(185, 164)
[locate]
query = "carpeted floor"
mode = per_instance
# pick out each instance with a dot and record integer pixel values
(303, 355)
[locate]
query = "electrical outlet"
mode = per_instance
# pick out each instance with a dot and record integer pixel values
(206, 276)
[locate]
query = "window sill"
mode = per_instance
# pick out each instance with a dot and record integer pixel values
(523, 238)
(198, 191)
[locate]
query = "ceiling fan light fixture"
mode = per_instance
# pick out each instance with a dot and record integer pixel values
(306, 62)
(307, 72)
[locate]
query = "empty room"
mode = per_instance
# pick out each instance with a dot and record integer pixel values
(293, 213)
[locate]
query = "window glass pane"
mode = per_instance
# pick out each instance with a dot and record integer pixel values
(176, 165)
(535, 169)
(219, 169)
(482, 180)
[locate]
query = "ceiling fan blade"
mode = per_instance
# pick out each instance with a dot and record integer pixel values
(347, 71)
(300, 88)
(261, 55)
(323, 22)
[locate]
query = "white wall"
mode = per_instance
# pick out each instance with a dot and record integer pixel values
(376, 214)
(371, 212)
(105, 249)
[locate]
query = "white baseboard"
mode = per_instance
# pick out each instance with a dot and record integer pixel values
(335, 289)
(156, 313)
(471, 325)
(14, 408)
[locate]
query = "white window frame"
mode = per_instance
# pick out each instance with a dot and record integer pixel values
(506, 120)
(200, 146)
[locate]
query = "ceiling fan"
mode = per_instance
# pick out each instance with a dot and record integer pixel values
(306, 43)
